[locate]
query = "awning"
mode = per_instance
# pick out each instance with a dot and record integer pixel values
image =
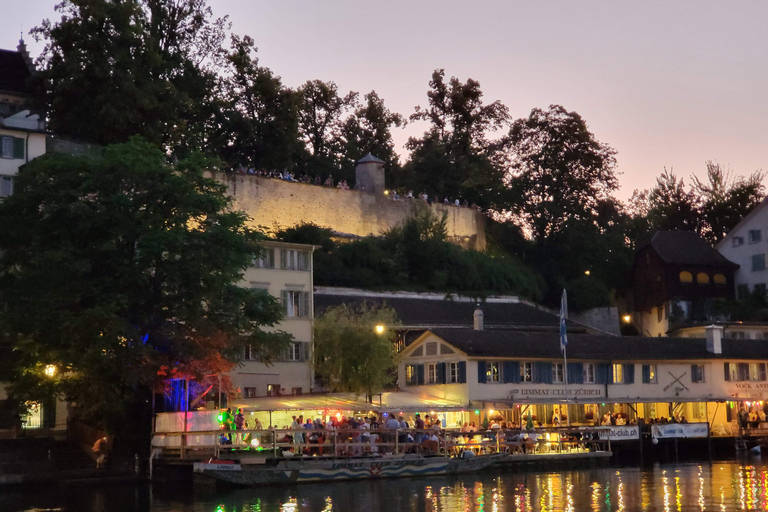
(391, 401)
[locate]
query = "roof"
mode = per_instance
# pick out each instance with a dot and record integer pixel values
(542, 345)
(370, 158)
(15, 72)
(687, 248)
(736, 228)
(432, 310)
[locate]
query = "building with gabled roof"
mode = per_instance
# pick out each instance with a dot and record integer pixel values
(747, 245)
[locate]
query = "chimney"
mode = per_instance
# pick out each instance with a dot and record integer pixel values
(478, 323)
(714, 339)
(369, 175)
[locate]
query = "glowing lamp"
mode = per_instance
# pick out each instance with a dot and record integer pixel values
(254, 442)
(50, 370)
(490, 411)
(379, 329)
(220, 417)
(338, 415)
(627, 319)
(586, 272)
(386, 192)
(477, 412)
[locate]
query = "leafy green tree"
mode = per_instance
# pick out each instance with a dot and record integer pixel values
(321, 125)
(258, 126)
(111, 70)
(120, 271)
(351, 355)
(369, 130)
(724, 200)
(560, 172)
(669, 205)
(456, 157)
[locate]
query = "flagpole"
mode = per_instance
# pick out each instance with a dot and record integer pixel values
(564, 347)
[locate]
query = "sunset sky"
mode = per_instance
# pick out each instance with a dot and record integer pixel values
(667, 84)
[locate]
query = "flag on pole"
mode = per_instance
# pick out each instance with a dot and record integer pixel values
(563, 317)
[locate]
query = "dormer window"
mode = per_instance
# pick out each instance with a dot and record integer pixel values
(754, 236)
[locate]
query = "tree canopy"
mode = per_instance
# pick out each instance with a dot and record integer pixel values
(351, 353)
(121, 271)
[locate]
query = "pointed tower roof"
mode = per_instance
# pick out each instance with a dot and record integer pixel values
(370, 158)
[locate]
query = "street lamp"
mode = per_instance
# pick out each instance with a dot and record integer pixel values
(379, 329)
(50, 370)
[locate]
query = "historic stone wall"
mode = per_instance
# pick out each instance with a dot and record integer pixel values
(273, 203)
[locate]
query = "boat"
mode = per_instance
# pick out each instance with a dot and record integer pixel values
(268, 471)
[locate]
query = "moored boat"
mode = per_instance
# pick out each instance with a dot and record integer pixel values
(262, 471)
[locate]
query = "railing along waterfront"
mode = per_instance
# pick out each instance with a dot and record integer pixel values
(327, 443)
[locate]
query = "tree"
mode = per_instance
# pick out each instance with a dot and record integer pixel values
(369, 130)
(143, 67)
(456, 158)
(121, 271)
(351, 355)
(259, 124)
(668, 206)
(321, 125)
(724, 200)
(559, 170)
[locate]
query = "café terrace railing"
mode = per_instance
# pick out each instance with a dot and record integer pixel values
(200, 445)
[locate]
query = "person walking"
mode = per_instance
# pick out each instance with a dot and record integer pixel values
(101, 450)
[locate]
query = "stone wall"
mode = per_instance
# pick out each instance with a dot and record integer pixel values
(274, 203)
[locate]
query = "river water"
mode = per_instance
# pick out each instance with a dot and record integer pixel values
(672, 487)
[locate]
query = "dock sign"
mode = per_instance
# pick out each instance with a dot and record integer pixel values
(680, 430)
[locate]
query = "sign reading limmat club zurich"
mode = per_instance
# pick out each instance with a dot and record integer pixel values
(560, 392)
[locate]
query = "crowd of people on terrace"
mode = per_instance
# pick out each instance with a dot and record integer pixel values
(396, 195)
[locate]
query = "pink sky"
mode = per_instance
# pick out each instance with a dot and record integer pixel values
(664, 83)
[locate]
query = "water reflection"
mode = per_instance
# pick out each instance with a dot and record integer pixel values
(701, 487)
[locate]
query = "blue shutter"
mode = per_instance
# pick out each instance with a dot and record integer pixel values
(481, 376)
(629, 374)
(441, 373)
(511, 371)
(646, 371)
(575, 373)
(544, 373)
(420, 374)
(602, 373)
(462, 372)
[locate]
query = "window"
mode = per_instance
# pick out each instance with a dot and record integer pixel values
(12, 147)
(754, 236)
(649, 374)
(720, 280)
(557, 373)
(295, 391)
(731, 372)
(742, 291)
(697, 373)
(758, 262)
(702, 278)
(6, 186)
(526, 372)
(273, 389)
(493, 372)
(431, 373)
(266, 258)
(760, 289)
(294, 259)
(249, 392)
(686, 277)
(699, 410)
(618, 374)
(757, 372)
(295, 352)
(432, 348)
(250, 354)
(743, 371)
(738, 241)
(453, 372)
(296, 303)
(411, 378)
(589, 373)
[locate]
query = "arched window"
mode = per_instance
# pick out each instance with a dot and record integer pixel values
(686, 277)
(702, 278)
(720, 280)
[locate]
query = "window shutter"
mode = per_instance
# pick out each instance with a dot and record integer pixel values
(743, 371)
(646, 374)
(304, 260)
(18, 147)
(511, 372)
(602, 373)
(440, 373)
(270, 257)
(727, 368)
(283, 259)
(629, 374)
(284, 294)
(420, 374)
(302, 356)
(481, 375)
(305, 304)
(760, 371)
(462, 372)
(543, 373)
(575, 373)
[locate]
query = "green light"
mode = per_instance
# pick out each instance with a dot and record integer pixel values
(477, 412)
(220, 417)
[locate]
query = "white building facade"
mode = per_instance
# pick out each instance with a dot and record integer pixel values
(747, 246)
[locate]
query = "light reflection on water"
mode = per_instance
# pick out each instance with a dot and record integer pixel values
(670, 488)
